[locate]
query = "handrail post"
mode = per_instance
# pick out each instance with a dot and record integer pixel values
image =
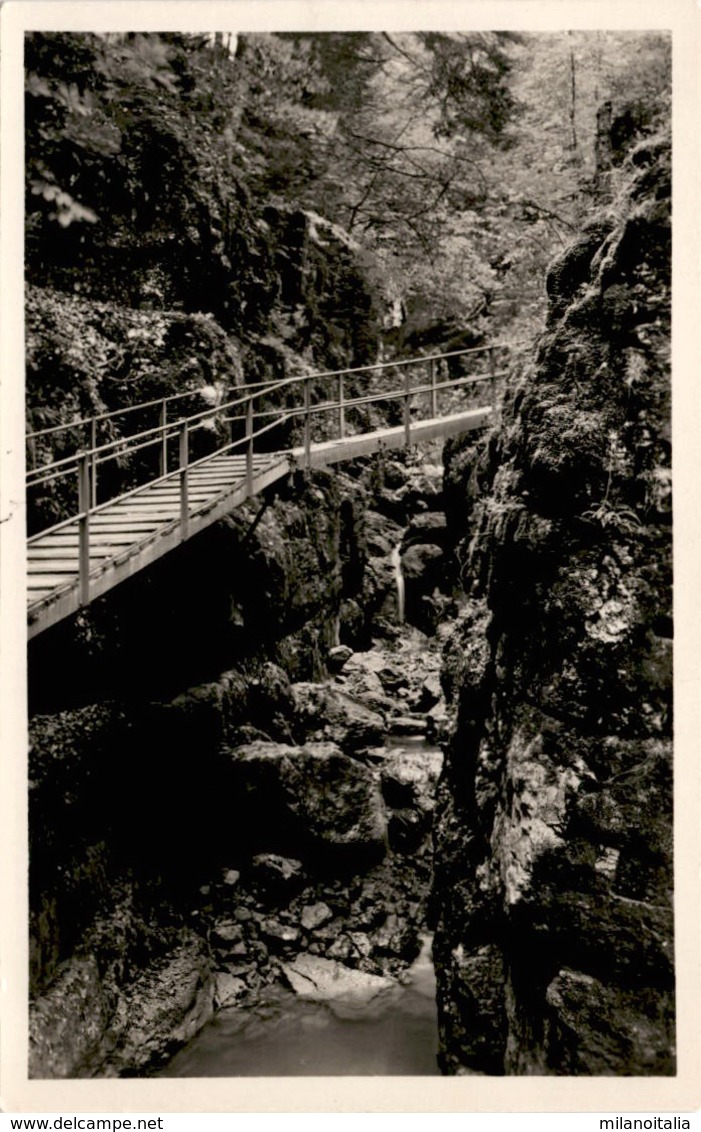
(493, 378)
(93, 463)
(84, 527)
(164, 437)
(434, 391)
(184, 510)
(407, 407)
(249, 446)
(307, 425)
(341, 409)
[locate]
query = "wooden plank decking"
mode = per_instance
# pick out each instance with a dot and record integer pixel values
(128, 534)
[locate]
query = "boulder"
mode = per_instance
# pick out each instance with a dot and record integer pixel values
(314, 915)
(276, 876)
(279, 936)
(338, 657)
(365, 687)
(345, 989)
(311, 803)
(597, 1028)
(228, 989)
(409, 778)
(328, 711)
(381, 534)
(426, 527)
(430, 693)
(162, 1009)
(407, 829)
(412, 490)
(396, 938)
(422, 565)
(225, 934)
(393, 679)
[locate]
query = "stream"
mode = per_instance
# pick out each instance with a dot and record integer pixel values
(344, 982)
(394, 1034)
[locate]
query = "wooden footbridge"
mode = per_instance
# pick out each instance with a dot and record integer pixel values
(265, 432)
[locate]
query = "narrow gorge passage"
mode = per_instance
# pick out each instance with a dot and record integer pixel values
(421, 694)
(298, 927)
(335, 977)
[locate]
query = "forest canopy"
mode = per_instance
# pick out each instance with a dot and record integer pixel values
(458, 162)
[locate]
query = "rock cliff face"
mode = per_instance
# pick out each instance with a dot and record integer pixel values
(298, 295)
(554, 944)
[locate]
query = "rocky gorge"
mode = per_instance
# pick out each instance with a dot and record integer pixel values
(418, 698)
(287, 809)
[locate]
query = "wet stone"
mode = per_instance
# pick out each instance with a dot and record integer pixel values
(227, 989)
(277, 932)
(407, 725)
(341, 949)
(361, 943)
(324, 980)
(338, 657)
(314, 915)
(227, 933)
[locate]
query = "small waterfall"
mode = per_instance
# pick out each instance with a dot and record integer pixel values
(396, 561)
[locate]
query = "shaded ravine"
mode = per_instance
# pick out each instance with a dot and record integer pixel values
(326, 1014)
(309, 812)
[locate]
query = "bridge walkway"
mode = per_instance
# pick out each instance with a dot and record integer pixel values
(84, 556)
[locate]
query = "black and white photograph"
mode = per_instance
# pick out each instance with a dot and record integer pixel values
(348, 744)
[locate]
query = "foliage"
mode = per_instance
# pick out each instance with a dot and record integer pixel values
(459, 163)
(85, 358)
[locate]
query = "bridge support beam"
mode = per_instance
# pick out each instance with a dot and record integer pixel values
(341, 409)
(93, 463)
(434, 391)
(184, 460)
(249, 447)
(407, 407)
(164, 437)
(307, 424)
(84, 459)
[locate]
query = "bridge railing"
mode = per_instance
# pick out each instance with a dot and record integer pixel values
(253, 423)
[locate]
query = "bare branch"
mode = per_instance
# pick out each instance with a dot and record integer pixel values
(415, 62)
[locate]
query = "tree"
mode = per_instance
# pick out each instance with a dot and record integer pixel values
(460, 161)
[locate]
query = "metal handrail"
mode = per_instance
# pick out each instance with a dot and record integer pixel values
(260, 388)
(158, 479)
(87, 460)
(158, 433)
(389, 395)
(133, 409)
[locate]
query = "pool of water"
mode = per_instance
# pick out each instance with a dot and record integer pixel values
(287, 1036)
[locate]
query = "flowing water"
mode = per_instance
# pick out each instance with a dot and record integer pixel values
(396, 561)
(286, 1036)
